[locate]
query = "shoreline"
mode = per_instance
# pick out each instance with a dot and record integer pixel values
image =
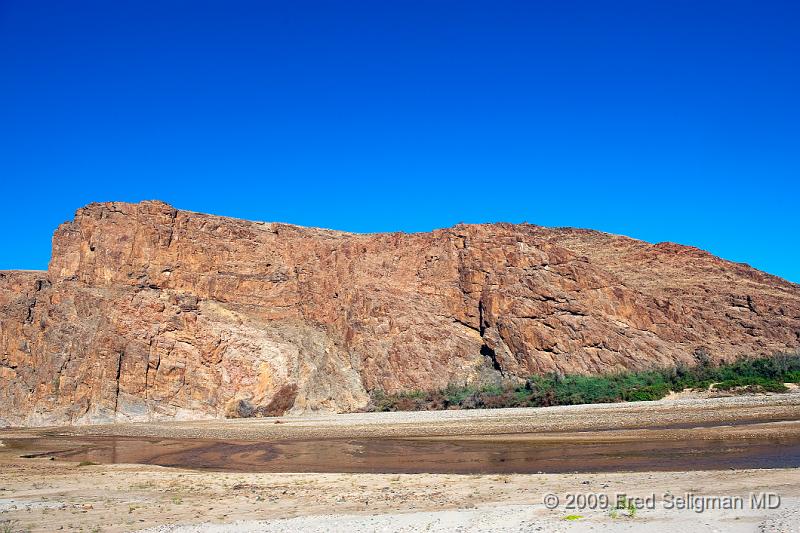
(661, 414)
(46, 495)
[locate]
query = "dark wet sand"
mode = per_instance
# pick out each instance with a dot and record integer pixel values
(763, 445)
(742, 432)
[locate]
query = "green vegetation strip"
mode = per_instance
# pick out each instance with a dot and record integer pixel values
(765, 374)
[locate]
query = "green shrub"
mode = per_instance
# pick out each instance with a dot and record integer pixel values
(766, 374)
(752, 384)
(792, 377)
(648, 393)
(455, 394)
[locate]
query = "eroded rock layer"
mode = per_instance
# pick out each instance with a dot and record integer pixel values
(147, 311)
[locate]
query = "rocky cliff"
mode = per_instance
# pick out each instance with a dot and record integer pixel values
(147, 311)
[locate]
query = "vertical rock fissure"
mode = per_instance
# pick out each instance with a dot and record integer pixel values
(488, 352)
(116, 392)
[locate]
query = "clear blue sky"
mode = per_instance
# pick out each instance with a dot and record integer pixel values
(675, 120)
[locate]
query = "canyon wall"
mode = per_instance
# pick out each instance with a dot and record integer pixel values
(151, 312)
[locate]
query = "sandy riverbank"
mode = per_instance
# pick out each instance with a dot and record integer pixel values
(46, 495)
(664, 414)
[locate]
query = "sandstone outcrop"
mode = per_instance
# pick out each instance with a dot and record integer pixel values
(147, 311)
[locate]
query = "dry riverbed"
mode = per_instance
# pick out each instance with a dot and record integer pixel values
(41, 494)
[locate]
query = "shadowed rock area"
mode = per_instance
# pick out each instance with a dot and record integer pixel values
(150, 312)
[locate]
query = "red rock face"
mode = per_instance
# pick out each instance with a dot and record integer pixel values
(148, 312)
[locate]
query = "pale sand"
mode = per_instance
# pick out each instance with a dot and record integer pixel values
(51, 495)
(46, 495)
